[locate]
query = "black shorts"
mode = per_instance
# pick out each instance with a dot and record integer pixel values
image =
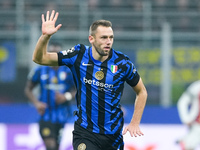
(50, 130)
(85, 140)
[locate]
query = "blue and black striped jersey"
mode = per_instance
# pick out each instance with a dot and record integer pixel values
(51, 81)
(99, 87)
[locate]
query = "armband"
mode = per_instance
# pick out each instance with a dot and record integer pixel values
(68, 96)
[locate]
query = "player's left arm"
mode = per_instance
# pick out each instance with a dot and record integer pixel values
(140, 102)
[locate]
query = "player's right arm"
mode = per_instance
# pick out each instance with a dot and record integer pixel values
(40, 106)
(40, 54)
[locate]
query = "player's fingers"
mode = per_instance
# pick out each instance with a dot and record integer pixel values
(58, 26)
(42, 18)
(52, 15)
(47, 16)
(56, 17)
(124, 131)
(132, 134)
(138, 133)
(141, 133)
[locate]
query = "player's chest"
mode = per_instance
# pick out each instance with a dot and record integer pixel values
(109, 73)
(53, 77)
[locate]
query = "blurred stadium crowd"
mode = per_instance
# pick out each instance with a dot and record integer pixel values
(182, 14)
(137, 25)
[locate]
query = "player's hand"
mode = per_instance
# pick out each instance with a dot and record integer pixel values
(133, 129)
(48, 25)
(60, 98)
(41, 107)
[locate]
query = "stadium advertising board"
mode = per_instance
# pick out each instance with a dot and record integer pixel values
(26, 137)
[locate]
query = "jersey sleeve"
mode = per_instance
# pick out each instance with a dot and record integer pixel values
(34, 75)
(68, 57)
(133, 76)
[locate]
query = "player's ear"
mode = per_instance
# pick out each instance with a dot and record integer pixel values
(91, 39)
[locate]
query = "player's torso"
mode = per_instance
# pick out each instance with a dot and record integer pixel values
(99, 87)
(106, 77)
(99, 91)
(53, 80)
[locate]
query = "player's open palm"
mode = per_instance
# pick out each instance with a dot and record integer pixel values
(48, 24)
(133, 129)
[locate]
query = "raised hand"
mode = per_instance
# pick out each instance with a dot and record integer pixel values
(48, 25)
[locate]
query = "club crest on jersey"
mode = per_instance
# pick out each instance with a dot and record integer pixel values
(54, 80)
(114, 68)
(82, 146)
(99, 75)
(46, 132)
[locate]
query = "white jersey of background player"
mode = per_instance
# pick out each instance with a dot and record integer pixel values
(189, 112)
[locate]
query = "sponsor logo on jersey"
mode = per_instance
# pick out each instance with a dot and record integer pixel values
(55, 87)
(97, 83)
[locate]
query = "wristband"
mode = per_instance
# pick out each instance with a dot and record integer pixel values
(68, 96)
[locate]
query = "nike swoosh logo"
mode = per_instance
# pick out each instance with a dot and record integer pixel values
(86, 64)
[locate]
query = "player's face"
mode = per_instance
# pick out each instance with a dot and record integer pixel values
(103, 40)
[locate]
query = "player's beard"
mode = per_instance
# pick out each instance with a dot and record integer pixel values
(100, 51)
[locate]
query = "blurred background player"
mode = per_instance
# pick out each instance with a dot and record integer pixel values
(53, 105)
(189, 112)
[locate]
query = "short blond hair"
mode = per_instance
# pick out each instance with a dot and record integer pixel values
(98, 23)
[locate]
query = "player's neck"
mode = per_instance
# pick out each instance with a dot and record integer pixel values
(98, 57)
